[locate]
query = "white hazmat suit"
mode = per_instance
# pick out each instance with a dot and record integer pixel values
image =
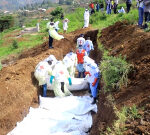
(53, 33)
(70, 61)
(61, 78)
(86, 18)
(92, 75)
(88, 46)
(42, 72)
(65, 24)
(80, 41)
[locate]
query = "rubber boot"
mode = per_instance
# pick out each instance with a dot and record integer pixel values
(94, 101)
(44, 90)
(79, 74)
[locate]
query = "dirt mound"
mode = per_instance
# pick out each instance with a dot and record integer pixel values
(134, 43)
(19, 89)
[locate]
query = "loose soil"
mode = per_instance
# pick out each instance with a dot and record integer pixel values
(19, 89)
(134, 44)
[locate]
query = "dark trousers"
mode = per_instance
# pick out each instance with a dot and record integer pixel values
(81, 73)
(128, 7)
(50, 42)
(115, 8)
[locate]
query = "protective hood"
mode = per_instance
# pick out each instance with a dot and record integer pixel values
(52, 59)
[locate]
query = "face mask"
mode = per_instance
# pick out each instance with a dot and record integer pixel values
(50, 62)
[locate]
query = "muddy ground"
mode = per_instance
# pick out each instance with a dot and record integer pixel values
(19, 89)
(134, 44)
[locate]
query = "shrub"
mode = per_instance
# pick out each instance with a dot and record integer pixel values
(57, 12)
(14, 44)
(114, 72)
(133, 112)
(6, 22)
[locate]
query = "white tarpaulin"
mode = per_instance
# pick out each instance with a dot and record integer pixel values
(58, 116)
(77, 84)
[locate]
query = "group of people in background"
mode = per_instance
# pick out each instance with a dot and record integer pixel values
(142, 5)
(144, 12)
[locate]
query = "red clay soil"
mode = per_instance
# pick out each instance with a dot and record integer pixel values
(19, 89)
(134, 43)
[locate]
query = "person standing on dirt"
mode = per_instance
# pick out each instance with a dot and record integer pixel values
(108, 2)
(70, 61)
(49, 25)
(81, 40)
(56, 26)
(128, 4)
(80, 55)
(43, 70)
(88, 46)
(65, 25)
(59, 78)
(141, 12)
(97, 7)
(146, 12)
(92, 75)
(115, 6)
(86, 18)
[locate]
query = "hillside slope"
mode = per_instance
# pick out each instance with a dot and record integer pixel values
(19, 89)
(15, 4)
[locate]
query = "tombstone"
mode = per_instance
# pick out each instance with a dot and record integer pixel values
(38, 27)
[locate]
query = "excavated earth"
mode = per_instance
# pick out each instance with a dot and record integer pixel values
(134, 44)
(19, 89)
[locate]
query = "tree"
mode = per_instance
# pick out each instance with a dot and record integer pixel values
(6, 22)
(57, 12)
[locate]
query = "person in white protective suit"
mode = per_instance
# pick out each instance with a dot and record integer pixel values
(56, 25)
(88, 46)
(70, 61)
(80, 40)
(93, 76)
(86, 18)
(65, 25)
(59, 78)
(121, 10)
(52, 59)
(42, 72)
(53, 34)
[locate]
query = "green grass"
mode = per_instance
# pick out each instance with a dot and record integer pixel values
(98, 20)
(102, 20)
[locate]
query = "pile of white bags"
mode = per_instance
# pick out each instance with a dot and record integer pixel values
(58, 116)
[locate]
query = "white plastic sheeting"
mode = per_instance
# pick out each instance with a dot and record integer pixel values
(77, 84)
(58, 116)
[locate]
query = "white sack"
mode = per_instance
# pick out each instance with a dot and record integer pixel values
(58, 116)
(77, 84)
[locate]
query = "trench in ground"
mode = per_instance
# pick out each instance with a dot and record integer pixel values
(105, 115)
(28, 91)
